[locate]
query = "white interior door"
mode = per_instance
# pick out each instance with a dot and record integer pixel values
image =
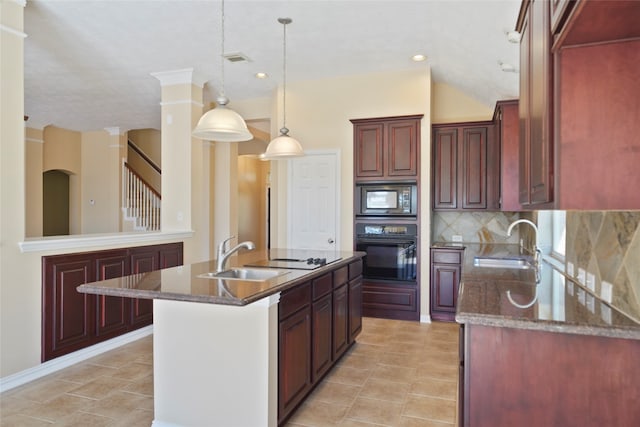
(313, 201)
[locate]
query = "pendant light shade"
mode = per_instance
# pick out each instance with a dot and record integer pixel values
(222, 124)
(283, 146)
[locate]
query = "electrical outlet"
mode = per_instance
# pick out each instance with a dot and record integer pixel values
(570, 269)
(591, 282)
(606, 291)
(582, 276)
(456, 238)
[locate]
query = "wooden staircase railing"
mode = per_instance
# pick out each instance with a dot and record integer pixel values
(140, 202)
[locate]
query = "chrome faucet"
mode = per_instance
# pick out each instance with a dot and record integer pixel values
(526, 221)
(223, 254)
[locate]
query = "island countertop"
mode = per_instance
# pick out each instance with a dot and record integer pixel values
(190, 282)
(557, 304)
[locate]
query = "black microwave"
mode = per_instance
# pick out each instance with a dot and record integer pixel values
(386, 200)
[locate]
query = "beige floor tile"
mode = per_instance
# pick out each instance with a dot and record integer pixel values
(400, 359)
(375, 411)
(133, 371)
(361, 360)
(142, 386)
(135, 418)
(83, 373)
(78, 419)
(347, 422)
(435, 388)
(380, 389)
(19, 420)
(421, 422)
(398, 374)
(440, 371)
(350, 376)
(117, 405)
(319, 414)
(44, 389)
(430, 408)
(58, 407)
(10, 405)
(99, 388)
(405, 347)
(335, 393)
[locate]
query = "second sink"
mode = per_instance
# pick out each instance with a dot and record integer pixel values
(247, 274)
(504, 262)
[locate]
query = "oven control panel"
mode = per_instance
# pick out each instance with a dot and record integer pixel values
(386, 229)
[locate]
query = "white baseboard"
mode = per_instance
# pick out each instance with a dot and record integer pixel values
(156, 423)
(425, 318)
(51, 366)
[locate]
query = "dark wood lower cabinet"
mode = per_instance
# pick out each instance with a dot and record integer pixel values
(72, 320)
(318, 321)
(517, 377)
(390, 300)
(446, 267)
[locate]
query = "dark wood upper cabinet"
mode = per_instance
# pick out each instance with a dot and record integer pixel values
(536, 84)
(466, 168)
(505, 118)
(387, 148)
(578, 106)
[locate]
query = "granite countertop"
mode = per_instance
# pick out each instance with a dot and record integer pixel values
(183, 283)
(558, 303)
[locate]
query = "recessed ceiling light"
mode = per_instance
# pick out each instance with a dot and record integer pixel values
(261, 75)
(419, 58)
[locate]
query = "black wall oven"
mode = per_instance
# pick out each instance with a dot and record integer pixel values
(391, 251)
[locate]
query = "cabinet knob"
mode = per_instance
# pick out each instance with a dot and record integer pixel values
(330, 240)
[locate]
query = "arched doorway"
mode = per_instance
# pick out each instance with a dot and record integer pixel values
(55, 203)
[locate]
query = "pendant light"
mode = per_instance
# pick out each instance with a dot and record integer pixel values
(283, 146)
(222, 124)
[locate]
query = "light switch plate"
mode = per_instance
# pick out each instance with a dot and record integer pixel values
(456, 238)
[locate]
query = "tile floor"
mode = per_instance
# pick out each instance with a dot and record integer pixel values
(397, 374)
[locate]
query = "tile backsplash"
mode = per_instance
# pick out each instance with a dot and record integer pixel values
(474, 227)
(607, 245)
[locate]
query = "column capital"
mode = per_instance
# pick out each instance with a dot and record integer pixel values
(177, 77)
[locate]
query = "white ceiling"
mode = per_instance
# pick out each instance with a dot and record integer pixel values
(88, 64)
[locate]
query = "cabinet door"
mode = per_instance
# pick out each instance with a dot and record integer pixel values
(402, 148)
(340, 320)
(294, 361)
(369, 153)
(142, 261)
(445, 168)
(322, 316)
(355, 308)
(111, 312)
(444, 288)
(171, 255)
(67, 314)
(473, 168)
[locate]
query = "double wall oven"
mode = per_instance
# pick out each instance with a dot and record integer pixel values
(386, 230)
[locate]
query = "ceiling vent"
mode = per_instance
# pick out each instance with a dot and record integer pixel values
(236, 57)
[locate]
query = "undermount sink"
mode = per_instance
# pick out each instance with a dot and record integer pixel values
(247, 274)
(503, 262)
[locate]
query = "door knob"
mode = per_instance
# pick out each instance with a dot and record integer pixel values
(330, 240)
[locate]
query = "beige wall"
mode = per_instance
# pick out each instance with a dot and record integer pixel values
(34, 143)
(318, 114)
(449, 105)
(100, 192)
(252, 194)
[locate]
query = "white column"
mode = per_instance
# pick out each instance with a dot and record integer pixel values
(185, 165)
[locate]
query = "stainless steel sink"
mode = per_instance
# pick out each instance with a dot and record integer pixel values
(502, 262)
(246, 274)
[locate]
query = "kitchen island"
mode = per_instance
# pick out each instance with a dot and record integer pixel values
(551, 353)
(218, 344)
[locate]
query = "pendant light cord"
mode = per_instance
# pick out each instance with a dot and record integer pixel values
(284, 22)
(222, 94)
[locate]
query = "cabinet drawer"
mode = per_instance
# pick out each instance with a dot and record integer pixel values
(340, 276)
(321, 286)
(294, 299)
(447, 257)
(355, 269)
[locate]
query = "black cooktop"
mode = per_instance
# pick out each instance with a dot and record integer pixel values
(310, 262)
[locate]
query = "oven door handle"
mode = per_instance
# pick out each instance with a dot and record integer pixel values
(390, 241)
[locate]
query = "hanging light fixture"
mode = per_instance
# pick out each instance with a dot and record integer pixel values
(222, 124)
(283, 146)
